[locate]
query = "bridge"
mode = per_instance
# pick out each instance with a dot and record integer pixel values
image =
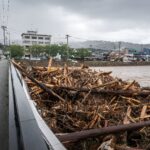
(21, 126)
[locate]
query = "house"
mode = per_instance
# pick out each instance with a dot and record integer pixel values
(100, 54)
(33, 38)
(146, 51)
(129, 58)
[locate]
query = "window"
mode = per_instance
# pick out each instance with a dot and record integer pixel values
(34, 42)
(47, 38)
(27, 37)
(47, 43)
(40, 38)
(34, 37)
(26, 42)
(26, 46)
(40, 42)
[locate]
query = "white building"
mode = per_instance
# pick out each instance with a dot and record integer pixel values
(33, 38)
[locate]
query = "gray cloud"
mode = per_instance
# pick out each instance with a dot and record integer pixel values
(105, 9)
(93, 19)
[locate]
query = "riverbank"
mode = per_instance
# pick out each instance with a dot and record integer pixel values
(109, 63)
(87, 63)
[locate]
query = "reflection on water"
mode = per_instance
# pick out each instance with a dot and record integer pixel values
(129, 73)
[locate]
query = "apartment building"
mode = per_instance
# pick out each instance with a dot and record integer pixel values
(33, 38)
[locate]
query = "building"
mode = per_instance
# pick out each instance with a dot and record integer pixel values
(100, 54)
(33, 38)
(146, 51)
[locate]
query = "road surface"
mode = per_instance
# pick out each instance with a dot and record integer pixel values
(3, 104)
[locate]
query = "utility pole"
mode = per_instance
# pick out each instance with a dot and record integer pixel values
(9, 38)
(119, 47)
(141, 47)
(50, 39)
(9, 45)
(114, 47)
(67, 37)
(4, 34)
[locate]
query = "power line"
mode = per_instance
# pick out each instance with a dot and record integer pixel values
(4, 15)
(8, 7)
(14, 30)
(80, 38)
(4, 34)
(3, 12)
(50, 44)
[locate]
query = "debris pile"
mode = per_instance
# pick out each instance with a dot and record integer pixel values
(80, 99)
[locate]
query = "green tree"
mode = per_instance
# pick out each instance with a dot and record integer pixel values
(36, 50)
(1, 46)
(82, 53)
(16, 51)
(52, 50)
(66, 52)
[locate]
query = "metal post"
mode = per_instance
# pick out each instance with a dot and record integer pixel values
(4, 34)
(119, 47)
(67, 37)
(49, 45)
(9, 38)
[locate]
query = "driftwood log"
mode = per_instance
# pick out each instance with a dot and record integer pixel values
(84, 106)
(110, 92)
(42, 86)
(47, 88)
(72, 137)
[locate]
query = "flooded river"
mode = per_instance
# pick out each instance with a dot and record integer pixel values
(130, 73)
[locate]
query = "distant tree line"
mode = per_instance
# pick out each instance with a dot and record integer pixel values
(17, 51)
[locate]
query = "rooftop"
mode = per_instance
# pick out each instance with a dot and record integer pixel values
(33, 33)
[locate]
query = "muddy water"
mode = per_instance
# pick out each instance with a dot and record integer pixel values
(130, 73)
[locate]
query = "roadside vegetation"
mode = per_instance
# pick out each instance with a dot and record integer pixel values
(17, 51)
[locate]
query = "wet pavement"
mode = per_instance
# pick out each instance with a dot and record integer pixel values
(3, 104)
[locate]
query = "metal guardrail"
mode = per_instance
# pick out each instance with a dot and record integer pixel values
(13, 139)
(24, 133)
(27, 130)
(49, 136)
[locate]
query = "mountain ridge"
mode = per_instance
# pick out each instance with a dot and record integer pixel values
(108, 45)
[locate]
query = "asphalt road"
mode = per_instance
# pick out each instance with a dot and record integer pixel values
(3, 105)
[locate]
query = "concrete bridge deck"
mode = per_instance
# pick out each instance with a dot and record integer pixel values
(4, 104)
(21, 127)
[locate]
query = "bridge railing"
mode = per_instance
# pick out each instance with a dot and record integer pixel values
(27, 130)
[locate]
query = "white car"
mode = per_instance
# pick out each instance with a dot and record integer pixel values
(74, 61)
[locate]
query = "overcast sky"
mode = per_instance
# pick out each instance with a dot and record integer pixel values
(111, 20)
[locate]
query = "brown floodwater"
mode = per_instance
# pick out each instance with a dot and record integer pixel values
(129, 73)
